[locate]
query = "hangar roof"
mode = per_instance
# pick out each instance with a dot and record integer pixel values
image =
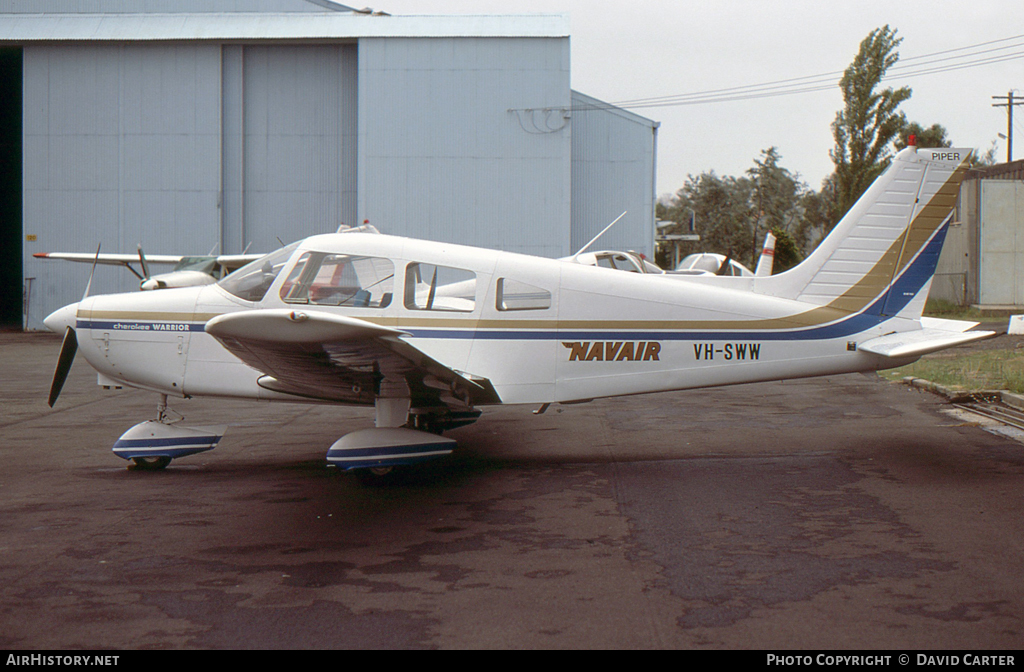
(21, 28)
(167, 6)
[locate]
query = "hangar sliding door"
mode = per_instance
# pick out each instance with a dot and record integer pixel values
(122, 148)
(298, 154)
(1002, 243)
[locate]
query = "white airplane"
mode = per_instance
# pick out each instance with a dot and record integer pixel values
(188, 271)
(427, 333)
(701, 263)
(711, 263)
(632, 262)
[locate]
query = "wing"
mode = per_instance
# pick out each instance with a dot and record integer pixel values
(110, 259)
(320, 355)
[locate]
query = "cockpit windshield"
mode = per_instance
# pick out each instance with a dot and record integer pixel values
(201, 264)
(251, 282)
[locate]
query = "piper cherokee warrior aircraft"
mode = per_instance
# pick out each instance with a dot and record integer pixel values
(427, 333)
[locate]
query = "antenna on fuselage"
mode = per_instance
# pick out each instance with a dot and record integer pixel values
(594, 239)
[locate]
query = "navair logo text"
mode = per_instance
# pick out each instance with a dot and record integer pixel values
(614, 351)
(727, 351)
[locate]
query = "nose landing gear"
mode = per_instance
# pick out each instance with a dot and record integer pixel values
(151, 445)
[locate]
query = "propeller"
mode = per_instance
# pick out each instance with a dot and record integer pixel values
(724, 269)
(67, 357)
(433, 289)
(147, 281)
(88, 285)
(143, 264)
(69, 347)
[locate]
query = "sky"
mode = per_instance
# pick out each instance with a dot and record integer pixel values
(641, 49)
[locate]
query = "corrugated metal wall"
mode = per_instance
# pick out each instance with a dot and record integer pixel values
(447, 150)
(1002, 243)
(132, 144)
(294, 159)
(955, 278)
(612, 172)
(121, 148)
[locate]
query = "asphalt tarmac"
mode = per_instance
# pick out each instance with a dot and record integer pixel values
(834, 513)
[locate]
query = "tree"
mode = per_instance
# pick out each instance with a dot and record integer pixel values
(732, 214)
(981, 159)
(865, 128)
(787, 252)
(934, 136)
(721, 209)
(775, 197)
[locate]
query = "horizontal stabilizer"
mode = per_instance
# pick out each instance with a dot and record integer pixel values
(936, 335)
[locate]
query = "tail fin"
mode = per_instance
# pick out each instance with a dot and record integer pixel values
(880, 258)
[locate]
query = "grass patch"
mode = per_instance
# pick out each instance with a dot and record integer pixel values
(951, 311)
(986, 370)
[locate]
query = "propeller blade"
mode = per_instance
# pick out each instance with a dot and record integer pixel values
(88, 285)
(433, 290)
(67, 356)
(142, 263)
(724, 268)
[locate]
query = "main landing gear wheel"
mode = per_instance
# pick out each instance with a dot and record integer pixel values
(150, 463)
(378, 475)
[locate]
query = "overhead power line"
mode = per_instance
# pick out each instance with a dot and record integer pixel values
(948, 60)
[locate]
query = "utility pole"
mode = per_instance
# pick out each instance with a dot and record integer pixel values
(1010, 102)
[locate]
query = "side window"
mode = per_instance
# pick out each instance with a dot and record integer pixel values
(516, 295)
(430, 287)
(340, 280)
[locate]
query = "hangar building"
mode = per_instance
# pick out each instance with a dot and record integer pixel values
(191, 126)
